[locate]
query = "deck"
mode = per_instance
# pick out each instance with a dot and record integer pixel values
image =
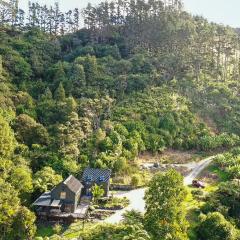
(80, 213)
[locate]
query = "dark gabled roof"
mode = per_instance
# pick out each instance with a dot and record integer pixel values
(73, 184)
(46, 199)
(96, 175)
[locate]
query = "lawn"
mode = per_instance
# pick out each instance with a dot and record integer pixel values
(222, 176)
(192, 205)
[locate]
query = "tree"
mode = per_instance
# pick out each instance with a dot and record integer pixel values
(1, 67)
(228, 194)
(215, 227)
(117, 231)
(90, 67)
(78, 77)
(7, 140)
(23, 224)
(69, 137)
(135, 181)
(97, 192)
(45, 179)
(47, 95)
(29, 132)
(9, 203)
(165, 213)
(76, 19)
(59, 94)
(21, 179)
(133, 217)
(58, 73)
(6, 167)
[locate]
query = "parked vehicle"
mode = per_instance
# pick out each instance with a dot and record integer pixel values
(198, 184)
(156, 165)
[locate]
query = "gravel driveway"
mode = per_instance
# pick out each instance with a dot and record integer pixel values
(136, 196)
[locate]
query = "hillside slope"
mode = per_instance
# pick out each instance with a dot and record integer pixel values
(132, 80)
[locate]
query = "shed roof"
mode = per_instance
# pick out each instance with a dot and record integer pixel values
(73, 184)
(97, 175)
(56, 203)
(44, 200)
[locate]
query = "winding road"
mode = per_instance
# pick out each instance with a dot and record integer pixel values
(136, 197)
(197, 170)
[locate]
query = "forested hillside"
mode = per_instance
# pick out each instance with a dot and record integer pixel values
(139, 76)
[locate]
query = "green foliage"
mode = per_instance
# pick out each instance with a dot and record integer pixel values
(97, 192)
(214, 226)
(21, 179)
(117, 232)
(57, 228)
(229, 163)
(90, 68)
(1, 67)
(207, 143)
(24, 224)
(7, 140)
(127, 83)
(59, 94)
(78, 79)
(165, 215)
(113, 203)
(226, 198)
(9, 202)
(46, 179)
(133, 217)
(135, 181)
(29, 132)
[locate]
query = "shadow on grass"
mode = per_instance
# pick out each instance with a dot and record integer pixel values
(223, 176)
(44, 230)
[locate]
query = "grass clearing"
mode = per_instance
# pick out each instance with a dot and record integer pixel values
(223, 176)
(192, 206)
(171, 156)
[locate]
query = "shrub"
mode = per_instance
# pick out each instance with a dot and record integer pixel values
(135, 181)
(215, 227)
(57, 228)
(197, 193)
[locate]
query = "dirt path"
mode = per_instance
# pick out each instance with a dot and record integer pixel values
(136, 197)
(197, 170)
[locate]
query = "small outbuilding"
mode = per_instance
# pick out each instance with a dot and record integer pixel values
(92, 176)
(65, 197)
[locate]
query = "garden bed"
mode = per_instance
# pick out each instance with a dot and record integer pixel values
(100, 214)
(114, 203)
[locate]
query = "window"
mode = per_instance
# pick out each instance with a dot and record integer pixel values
(89, 178)
(63, 195)
(101, 178)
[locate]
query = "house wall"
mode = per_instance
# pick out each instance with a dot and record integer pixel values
(77, 199)
(71, 200)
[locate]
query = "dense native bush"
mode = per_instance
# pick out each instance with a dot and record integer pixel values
(118, 232)
(127, 83)
(223, 140)
(230, 163)
(214, 226)
(226, 198)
